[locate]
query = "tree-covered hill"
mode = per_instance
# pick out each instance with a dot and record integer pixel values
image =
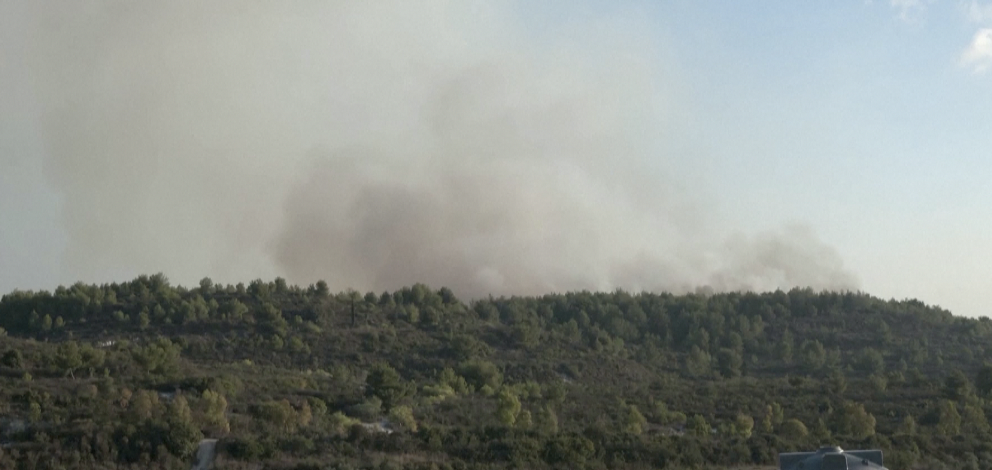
(133, 375)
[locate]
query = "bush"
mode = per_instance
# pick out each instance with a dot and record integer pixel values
(244, 449)
(297, 445)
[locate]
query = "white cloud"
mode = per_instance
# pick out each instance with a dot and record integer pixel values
(980, 13)
(978, 56)
(910, 10)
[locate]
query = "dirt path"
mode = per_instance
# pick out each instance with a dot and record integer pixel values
(205, 454)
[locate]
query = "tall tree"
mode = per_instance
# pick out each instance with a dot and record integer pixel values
(948, 419)
(633, 421)
(729, 361)
(507, 407)
(956, 385)
(852, 420)
(384, 382)
(68, 358)
(214, 409)
(697, 426)
(546, 421)
(182, 436)
(743, 425)
(793, 428)
(983, 380)
(785, 347)
(812, 355)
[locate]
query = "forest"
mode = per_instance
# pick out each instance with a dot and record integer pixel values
(133, 375)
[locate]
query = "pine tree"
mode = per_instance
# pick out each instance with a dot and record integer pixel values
(507, 408)
(547, 420)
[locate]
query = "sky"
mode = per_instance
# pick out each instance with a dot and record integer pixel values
(502, 147)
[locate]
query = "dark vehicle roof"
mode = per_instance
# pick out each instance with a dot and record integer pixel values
(832, 458)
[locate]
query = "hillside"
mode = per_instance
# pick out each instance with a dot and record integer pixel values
(133, 375)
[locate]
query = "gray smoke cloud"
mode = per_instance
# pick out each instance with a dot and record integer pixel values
(379, 144)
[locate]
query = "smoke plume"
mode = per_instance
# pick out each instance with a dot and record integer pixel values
(379, 144)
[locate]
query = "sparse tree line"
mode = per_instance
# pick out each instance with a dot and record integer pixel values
(133, 375)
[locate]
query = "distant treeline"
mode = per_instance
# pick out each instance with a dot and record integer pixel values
(134, 374)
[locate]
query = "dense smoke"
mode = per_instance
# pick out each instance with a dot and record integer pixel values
(379, 144)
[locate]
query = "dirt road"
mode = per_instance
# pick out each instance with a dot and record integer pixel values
(205, 454)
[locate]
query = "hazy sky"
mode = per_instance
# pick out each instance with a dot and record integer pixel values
(501, 146)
